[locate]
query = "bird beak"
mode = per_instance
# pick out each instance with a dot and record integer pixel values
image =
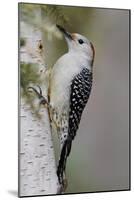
(67, 34)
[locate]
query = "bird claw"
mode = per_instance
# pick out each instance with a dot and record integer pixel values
(42, 99)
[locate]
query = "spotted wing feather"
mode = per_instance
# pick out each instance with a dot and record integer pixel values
(80, 92)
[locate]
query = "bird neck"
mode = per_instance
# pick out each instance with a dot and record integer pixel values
(81, 57)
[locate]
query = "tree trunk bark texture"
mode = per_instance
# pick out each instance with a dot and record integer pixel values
(37, 166)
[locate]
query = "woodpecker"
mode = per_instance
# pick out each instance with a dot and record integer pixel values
(69, 90)
(70, 84)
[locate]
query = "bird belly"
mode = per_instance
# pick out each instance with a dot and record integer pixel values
(61, 77)
(59, 96)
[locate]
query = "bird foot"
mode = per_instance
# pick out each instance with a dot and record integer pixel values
(42, 99)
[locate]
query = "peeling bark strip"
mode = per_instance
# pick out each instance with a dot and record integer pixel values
(37, 168)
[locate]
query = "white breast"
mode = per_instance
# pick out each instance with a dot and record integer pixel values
(63, 72)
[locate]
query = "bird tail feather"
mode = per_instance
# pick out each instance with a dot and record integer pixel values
(63, 158)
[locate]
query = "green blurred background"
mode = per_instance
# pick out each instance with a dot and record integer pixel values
(99, 160)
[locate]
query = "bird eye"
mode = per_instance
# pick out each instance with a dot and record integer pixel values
(80, 41)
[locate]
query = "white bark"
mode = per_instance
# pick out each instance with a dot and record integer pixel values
(37, 167)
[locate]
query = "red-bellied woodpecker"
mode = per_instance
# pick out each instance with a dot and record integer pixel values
(69, 89)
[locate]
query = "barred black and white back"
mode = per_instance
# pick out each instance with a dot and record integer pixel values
(80, 91)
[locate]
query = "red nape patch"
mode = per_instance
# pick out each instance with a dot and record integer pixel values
(93, 49)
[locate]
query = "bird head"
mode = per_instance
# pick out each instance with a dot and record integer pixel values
(78, 43)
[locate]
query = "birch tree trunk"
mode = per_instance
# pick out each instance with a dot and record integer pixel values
(37, 166)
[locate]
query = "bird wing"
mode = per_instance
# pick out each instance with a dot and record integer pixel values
(80, 92)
